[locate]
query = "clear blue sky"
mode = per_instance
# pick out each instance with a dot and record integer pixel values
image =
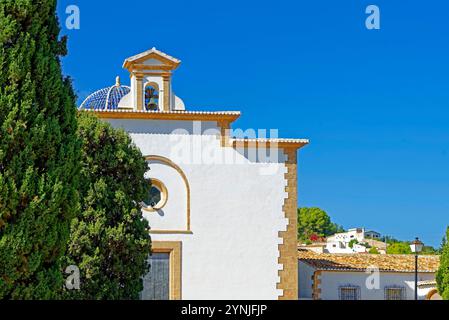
(375, 104)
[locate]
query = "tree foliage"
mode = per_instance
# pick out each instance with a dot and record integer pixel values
(399, 248)
(352, 243)
(403, 247)
(442, 276)
(314, 221)
(109, 240)
(442, 245)
(373, 250)
(38, 151)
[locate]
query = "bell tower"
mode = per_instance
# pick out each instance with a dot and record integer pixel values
(151, 86)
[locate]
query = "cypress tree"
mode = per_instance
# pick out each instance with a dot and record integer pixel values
(39, 151)
(109, 240)
(442, 276)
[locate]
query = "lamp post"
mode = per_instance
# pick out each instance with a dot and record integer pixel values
(416, 247)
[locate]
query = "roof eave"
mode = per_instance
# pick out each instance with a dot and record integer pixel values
(228, 116)
(163, 57)
(267, 143)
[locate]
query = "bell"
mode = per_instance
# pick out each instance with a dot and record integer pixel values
(151, 97)
(153, 103)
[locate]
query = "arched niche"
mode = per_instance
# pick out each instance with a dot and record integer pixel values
(164, 170)
(151, 96)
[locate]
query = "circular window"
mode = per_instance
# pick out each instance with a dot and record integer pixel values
(157, 196)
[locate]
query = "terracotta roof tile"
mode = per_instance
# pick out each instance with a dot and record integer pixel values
(361, 262)
(428, 283)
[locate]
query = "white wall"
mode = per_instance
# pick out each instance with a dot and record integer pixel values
(337, 247)
(352, 234)
(305, 283)
(174, 215)
(236, 211)
(331, 281)
(340, 247)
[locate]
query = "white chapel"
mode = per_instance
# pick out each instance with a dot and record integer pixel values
(222, 207)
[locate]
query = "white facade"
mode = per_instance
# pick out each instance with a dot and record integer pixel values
(236, 214)
(343, 247)
(331, 282)
(352, 234)
(340, 242)
(228, 209)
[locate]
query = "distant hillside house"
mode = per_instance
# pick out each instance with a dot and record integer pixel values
(373, 235)
(356, 240)
(347, 276)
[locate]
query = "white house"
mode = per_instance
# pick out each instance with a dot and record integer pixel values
(372, 235)
(352, 234)
(223, 210)
(365, 276)
(353, 241)
(344, 247)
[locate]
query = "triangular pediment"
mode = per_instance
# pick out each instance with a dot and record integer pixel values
(152, 58)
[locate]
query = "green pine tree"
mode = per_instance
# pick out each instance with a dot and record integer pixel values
(443, 272)
(315, 221)
(39, 150)
(109, 240)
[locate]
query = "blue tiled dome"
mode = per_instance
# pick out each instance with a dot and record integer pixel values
(107, 98)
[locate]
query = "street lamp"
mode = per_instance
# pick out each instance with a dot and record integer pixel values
(416, 247)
